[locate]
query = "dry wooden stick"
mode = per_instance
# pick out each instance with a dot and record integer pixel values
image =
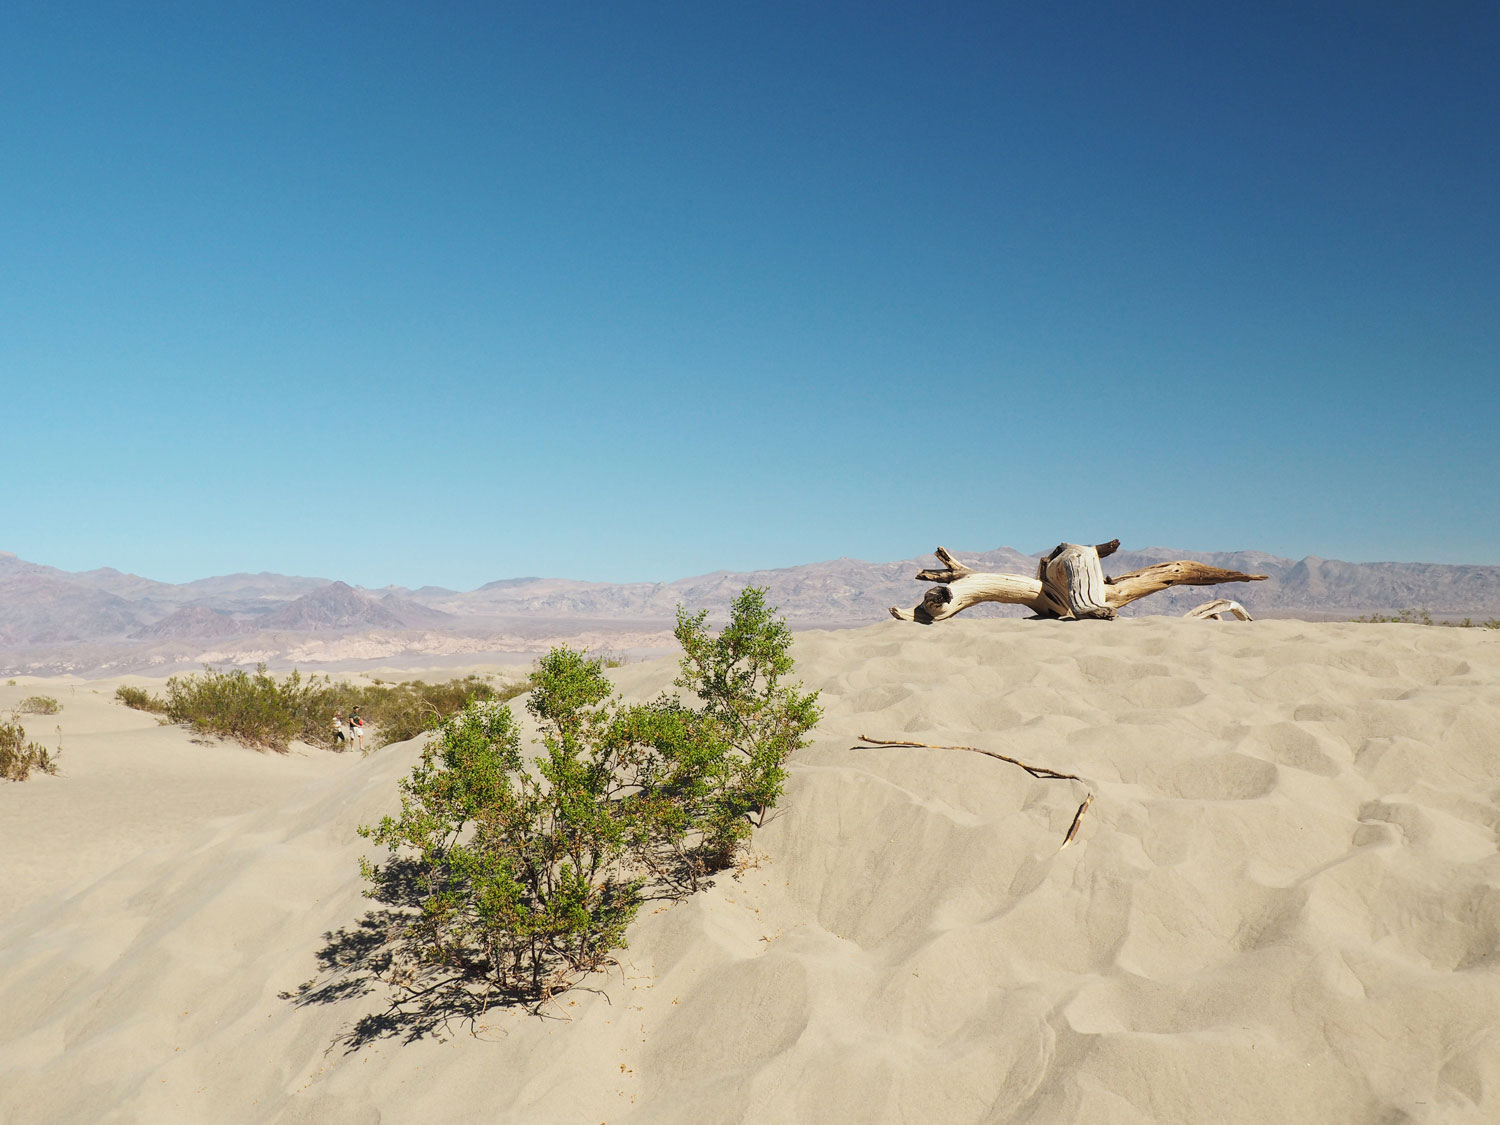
(1077, 820)
(1035, 771)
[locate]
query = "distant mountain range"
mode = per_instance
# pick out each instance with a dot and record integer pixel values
(105, 622)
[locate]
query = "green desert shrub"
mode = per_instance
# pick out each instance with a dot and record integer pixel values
(39, 705)
(19, 757)
(527, 873)
(140, 699)
(255, 709)
(521, 871)
(750, 718)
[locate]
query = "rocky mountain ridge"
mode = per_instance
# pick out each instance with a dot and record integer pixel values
(104, 620)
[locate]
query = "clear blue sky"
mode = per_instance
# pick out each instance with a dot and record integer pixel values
(410, 293)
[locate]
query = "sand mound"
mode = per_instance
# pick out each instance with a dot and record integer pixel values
(1284, 903)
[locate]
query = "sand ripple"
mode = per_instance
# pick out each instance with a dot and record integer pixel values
(1284, 904)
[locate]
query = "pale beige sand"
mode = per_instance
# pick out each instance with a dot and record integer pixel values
(1283, 905)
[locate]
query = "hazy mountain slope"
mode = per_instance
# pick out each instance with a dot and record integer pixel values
(335, 606)
(840, 591)
(194, 622)
(54, 621)
(36, 608)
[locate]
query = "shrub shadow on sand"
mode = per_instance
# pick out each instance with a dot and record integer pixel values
(381, 953)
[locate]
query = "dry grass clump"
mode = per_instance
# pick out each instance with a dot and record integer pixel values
(19, 757)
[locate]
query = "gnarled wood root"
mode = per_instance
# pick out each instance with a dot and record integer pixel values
(1219, 610)
(1069, 584)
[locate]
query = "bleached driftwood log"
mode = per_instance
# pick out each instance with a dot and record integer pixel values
(1076, 581)
(1218, 610)
(1069, 584)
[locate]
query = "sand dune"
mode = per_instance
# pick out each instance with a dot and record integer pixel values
(1283, 904)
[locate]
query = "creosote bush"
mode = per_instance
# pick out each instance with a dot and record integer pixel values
(18, 757)
(528, 873)
(261, 711)
(39, 705)
(254, 709)
(749, 722)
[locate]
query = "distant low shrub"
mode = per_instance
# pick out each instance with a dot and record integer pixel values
(1400, 617)
(1424, 617)
(403, 711)
(259, 710)
(528, 873)
(19, 757)
(254, 709)
(39, 705)
(140, 699)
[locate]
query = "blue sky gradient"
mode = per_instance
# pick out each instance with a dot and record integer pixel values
(399, 295)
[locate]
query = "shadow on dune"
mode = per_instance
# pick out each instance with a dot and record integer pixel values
(387, 951)
(382, 953)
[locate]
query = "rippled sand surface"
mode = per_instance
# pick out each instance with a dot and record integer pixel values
(1283, 903)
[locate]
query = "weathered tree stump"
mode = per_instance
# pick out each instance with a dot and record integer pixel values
(1069, 585)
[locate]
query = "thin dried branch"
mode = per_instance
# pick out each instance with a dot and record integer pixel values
(953, 569)
(1127, 588)
(1035, 771)
(1043, 772)
(964, 586)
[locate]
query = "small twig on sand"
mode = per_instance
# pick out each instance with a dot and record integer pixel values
(1077, 820)
(1035, 771)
